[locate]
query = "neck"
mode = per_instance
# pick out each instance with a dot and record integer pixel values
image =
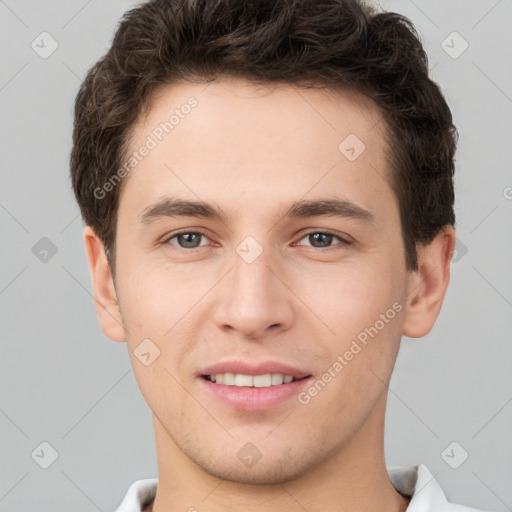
(354, 478)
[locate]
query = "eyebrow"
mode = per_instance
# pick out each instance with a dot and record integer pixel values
(174, 207)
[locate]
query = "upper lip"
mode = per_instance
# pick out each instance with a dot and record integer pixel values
(260, 368)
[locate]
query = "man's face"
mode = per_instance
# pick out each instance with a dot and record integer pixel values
(256, 287)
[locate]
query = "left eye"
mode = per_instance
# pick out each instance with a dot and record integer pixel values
(321, 239)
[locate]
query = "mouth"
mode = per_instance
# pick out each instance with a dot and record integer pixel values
(252, 381)
(253, 387)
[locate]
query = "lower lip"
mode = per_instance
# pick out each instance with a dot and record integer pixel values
(254, 399)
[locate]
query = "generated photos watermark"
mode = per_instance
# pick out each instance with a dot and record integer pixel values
(355, 348)
(152, 140)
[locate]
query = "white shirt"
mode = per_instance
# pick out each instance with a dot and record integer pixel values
(416, 482)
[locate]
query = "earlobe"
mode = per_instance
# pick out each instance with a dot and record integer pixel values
(427, 285)
(104, 292)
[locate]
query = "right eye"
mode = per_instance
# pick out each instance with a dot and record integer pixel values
(185, 239)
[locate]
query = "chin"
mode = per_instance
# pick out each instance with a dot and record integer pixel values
(264, 475)
(263, 471)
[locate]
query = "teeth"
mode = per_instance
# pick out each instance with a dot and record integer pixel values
(243, 380)
(256, 381)
(277, 378)
(262, 381)
(229, 379)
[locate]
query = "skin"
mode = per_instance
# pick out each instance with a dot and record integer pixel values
(251, 151)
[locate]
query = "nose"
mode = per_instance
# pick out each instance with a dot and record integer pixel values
(255, 300)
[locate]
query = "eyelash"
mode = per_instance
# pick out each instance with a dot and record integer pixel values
(343, 241)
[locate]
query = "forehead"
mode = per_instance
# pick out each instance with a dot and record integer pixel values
(231, 139)
(323, 112)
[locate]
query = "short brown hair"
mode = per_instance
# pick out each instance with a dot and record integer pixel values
(337, 44)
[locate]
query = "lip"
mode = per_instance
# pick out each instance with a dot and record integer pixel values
(251, 399)
(260, 368)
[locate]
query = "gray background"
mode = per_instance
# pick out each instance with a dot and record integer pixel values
(63, 382)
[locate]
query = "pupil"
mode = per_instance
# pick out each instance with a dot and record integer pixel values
(188, 239)
(326, 239)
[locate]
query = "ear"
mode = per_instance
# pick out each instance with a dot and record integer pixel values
(427, 285)
(104, 293)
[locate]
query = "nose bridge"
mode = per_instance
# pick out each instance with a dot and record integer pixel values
(253, 297)
(252, 278)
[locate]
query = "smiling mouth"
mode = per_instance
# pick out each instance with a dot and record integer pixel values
(252, 381)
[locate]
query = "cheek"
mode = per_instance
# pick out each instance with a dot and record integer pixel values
(348, 298)
(362, 307)
(153, 301)
(157, 342)
(160, 311)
